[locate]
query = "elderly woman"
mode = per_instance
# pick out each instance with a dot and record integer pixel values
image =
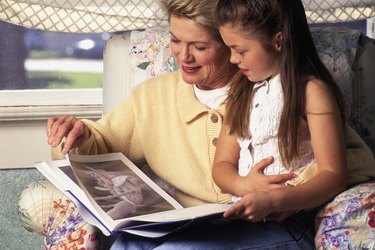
(172, 123)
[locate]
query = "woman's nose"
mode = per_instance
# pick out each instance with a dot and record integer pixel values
(185, 55)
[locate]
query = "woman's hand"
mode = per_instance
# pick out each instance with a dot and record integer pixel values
(75, 131)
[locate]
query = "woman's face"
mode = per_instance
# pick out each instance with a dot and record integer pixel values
(255, 62)
(198, 55)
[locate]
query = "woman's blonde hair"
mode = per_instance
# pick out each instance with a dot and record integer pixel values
(200, 12)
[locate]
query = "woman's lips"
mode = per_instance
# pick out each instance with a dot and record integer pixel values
(190, 69)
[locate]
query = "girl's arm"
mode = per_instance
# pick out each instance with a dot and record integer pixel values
(328, 145)
(225, 169)
(225, 165)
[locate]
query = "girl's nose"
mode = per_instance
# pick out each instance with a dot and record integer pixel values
(233, 59)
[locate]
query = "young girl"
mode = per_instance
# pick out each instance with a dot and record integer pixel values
(288, 111)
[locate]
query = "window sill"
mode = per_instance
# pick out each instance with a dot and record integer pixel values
(33, 113)
(24, 105)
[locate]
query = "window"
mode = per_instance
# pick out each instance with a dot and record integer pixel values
(68, 16)
(43, 73)
(35, 59)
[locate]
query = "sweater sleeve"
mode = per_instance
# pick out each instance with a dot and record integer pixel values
(116, 132)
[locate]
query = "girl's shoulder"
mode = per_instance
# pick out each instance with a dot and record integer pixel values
(318, 96)
(315, 83)
(316, 87)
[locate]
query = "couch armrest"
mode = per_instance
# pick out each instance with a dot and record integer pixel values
(362, 117)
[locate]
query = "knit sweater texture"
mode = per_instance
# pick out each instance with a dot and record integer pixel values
(164, 125)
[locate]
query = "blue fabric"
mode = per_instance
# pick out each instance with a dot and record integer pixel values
(296, 232)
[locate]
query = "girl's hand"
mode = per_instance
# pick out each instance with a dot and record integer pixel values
(75, 131)
(253, 207)
(256, 180)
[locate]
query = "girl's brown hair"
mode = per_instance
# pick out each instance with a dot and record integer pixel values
(298, 60)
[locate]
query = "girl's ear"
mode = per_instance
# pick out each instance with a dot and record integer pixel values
(278, 41)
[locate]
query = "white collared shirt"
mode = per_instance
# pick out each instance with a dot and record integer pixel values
(212, 98)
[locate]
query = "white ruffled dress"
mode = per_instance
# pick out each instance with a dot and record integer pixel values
(267, 106)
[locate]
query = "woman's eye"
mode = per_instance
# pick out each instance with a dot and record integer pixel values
(174, 41)
(201, 48)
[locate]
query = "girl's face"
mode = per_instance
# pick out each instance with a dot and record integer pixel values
(247, 52)
(198, 55)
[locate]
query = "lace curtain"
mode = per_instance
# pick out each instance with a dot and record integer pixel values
(87, 16)
(92, 16)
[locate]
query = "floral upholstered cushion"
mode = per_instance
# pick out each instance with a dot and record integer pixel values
(46, 211)
(150, 54)
(337, 48)
(348, 222)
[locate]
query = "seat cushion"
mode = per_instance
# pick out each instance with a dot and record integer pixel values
(348, 222)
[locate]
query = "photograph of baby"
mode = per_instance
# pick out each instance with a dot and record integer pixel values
(118, 190)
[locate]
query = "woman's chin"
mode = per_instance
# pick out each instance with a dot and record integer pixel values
(190, 80)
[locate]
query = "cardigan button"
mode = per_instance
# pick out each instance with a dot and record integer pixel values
(214, 118)
(214, 142)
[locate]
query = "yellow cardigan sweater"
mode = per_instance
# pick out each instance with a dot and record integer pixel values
(163, 124)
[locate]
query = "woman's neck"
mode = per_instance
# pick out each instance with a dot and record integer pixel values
(206, 86)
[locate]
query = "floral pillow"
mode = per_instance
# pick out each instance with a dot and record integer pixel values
(44, 210)
(348, 222)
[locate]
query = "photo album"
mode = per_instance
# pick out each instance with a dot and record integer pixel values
(114, 195)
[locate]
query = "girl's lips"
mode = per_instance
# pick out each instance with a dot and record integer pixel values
(245, 71)
(190, 69)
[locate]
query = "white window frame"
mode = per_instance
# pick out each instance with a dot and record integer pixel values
(371, 27)
(19, 105)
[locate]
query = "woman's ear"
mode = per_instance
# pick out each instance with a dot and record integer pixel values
(278, 41)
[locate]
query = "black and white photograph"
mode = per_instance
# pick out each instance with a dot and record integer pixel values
(118, 190)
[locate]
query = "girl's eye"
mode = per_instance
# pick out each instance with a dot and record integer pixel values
(240, 52)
